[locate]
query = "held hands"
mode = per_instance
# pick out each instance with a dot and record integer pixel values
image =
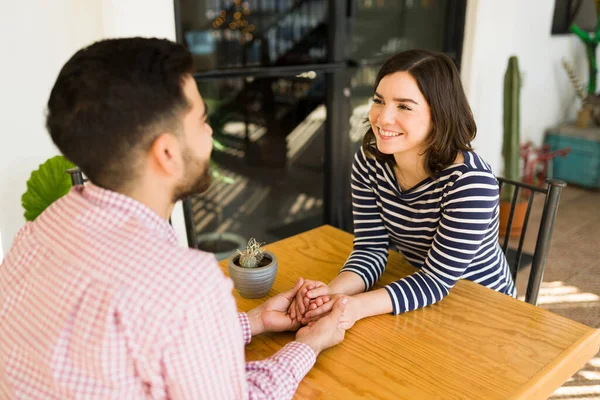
(309, 290)
(328, 317)
(272, 315)
(323, 305)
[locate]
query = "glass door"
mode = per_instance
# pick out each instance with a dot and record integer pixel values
(288, 84)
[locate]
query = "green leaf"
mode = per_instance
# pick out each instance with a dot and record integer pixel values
(46, 185)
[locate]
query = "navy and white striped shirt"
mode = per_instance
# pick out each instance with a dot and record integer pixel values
(446, 226)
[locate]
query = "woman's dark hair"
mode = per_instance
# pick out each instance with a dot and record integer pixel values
(112, 99)
(452, 124)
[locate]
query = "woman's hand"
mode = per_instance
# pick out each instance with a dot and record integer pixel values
(323, 305)
(300, 304)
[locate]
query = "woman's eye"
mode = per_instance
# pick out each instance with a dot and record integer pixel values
(377, 101)
(404, 107)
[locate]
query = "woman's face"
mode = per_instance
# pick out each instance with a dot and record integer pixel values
(400, 116)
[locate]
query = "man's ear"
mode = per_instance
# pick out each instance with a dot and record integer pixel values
(166, 154)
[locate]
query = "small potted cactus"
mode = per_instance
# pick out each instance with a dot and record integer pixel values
(253, 270)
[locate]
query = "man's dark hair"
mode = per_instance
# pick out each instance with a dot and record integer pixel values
(453, 126)
(112, 99)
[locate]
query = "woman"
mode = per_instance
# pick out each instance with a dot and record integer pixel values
(416, 184)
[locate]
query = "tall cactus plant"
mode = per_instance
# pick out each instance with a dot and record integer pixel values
(511, 146)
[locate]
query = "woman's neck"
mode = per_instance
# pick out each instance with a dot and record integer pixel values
(409, 168)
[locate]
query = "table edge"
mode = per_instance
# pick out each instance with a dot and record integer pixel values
(558, 371)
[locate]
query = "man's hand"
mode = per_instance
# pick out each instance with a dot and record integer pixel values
(272, 315)
(323, 305)
(327, 331)
(300, 304)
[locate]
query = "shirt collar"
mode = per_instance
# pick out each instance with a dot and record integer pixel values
(108, 199)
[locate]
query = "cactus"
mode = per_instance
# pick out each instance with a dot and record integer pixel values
(590, 40)
(252, 255)
(511, 146)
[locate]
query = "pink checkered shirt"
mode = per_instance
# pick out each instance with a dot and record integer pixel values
(97, 301)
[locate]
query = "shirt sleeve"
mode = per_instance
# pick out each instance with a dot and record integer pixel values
(204, 356)
(245, 324)
(468, 209)
(371, 241)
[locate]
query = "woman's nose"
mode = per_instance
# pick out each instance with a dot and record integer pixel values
(386, 116)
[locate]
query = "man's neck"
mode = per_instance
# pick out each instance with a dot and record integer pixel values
(157, 200)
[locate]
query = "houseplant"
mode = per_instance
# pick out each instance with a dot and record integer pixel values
(590, 40)
(46, 184)
(590, 105)
(511, 149)
(253, 270)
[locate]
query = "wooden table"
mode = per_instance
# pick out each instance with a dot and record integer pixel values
(475, 343)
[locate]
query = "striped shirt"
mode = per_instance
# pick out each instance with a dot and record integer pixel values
(98, 301)
(446, 226)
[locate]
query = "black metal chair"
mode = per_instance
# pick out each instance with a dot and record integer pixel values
(552, 192)
(76, 176)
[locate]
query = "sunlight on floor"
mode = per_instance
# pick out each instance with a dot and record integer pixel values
(558, 293)
(585, 386)
(578, 391)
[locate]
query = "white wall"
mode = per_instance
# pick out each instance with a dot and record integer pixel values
(37, 37)
(494, 31)
(154, 18)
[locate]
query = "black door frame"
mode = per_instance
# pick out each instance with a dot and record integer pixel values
(337, 200)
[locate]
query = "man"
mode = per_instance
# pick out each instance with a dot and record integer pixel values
(96, 298)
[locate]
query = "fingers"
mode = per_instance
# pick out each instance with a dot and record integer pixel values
(300, 301)
(292, 309)
(308, 321)
(318, 302)
(319, 311)
(339, 307)
(317, 292)
(322, 300)
(306, 301)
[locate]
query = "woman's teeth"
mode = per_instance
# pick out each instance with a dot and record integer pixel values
(388, 133)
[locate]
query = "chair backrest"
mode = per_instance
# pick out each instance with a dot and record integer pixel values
(76, 176)
(552, 192)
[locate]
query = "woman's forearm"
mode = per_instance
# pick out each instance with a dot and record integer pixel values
(347, 283)
(374, 302)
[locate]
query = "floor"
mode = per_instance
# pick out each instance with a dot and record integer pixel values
(572, 278)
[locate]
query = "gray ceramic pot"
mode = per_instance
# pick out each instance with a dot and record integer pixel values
(253, 283)
(234, 241)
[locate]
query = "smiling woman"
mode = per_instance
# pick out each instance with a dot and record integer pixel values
(419, 98)
(417, 186)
